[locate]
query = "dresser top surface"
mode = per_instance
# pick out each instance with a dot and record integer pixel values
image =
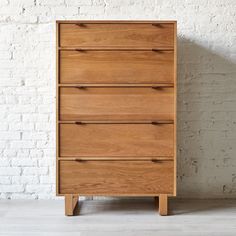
(115, 21)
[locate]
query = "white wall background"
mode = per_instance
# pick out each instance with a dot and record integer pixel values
(206, 101)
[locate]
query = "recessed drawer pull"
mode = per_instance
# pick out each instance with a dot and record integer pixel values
(79, 123)
(160, 122)
(79, 160)
(80, 87)
(158, 25)
(81, 25)
(79, 50)
(157, 50)
(162, 86)
(156, 161)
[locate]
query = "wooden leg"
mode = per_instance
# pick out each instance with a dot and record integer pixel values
(163, 204)
(71, 202)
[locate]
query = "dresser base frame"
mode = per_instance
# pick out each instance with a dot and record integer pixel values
(72, 204)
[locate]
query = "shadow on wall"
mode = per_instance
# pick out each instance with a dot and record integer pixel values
(206, 123)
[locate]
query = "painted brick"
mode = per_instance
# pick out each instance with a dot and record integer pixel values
(22, 162)
(9, 171)
(35, 171)
(11, 188)
(5, 180)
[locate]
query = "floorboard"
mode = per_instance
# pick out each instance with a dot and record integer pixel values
(131, 217)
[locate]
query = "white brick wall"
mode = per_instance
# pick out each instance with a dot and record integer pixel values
(206, 102)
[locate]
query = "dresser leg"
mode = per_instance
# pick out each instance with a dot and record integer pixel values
(163, 204)
(71, 202)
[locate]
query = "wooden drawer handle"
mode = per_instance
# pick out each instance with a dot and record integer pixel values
(160, 122)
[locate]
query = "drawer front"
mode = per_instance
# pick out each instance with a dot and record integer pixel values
(116, 177)
(116, 140)
(116, 104)
(116, 66)
(117, 35)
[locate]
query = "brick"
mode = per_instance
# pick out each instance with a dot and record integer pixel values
(50, 3)
(45, 188)
(9, 135)
(9, 153)
(5, 55)
(22, 144)
(34, 136)
(23, 153)
(22, 162)
(14, 118)
(36, 153)
(23, 196)
(78, 2)
(25, 3)
(3, 144)
(47, 161)
(45, 126)
(20, 126)
(29, 179)
(3, 126)
(47, 179)
(8, 171)
(5, 180)
(11, 188)
(4, 3)
(4, 162)
(94, 10)
(35, 171)
(35, 117)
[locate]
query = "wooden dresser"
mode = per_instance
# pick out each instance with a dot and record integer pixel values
(116, 110)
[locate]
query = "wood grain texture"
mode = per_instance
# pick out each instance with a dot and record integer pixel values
(115, 140)
(116, 104)
(116, 177)
(116, 66)
(117, 35)
(71, 202)
(115, 62)
(163, 204)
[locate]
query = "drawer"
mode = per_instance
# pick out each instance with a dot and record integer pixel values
(91, 66)
(116, 103)
(116, 140)
(116, 177)
(117, 35)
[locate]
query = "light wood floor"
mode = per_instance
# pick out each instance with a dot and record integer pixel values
(118, 217)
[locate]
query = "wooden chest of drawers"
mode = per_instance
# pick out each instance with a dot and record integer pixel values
(116, 110)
